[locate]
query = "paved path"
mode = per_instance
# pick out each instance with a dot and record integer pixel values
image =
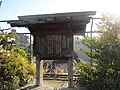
(52, 85)
(48, 85)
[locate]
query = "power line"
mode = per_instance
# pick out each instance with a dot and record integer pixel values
(9, 10)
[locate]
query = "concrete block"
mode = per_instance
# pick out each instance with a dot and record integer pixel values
(78, 88)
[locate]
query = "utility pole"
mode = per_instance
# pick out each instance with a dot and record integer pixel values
(0, 2)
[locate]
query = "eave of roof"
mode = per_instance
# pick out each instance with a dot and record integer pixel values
(25, 21)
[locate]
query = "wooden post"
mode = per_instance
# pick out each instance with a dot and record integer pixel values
(70, 73)
(39, 72)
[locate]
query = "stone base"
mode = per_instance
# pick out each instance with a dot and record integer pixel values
(78, 88)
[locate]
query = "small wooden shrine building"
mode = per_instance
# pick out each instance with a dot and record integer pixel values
(53, 37)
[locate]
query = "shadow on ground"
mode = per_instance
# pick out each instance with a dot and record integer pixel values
(29, 87)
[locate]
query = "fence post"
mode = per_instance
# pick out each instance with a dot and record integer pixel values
(39, 72)
(70, 73)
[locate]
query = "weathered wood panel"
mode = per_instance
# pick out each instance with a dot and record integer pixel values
(53, 45)
(77, 27)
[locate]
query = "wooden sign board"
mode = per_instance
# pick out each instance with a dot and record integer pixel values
(51, 45)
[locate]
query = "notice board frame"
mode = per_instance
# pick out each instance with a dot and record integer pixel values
(53, 45)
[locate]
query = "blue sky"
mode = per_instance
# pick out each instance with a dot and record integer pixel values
(10, 9)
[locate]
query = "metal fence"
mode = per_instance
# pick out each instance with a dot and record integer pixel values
(55, 69)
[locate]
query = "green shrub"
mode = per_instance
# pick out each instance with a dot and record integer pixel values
(102, 72)
(95, 78)
(15, 69)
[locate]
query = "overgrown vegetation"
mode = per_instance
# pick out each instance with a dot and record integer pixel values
(102, 72)
(15, 69)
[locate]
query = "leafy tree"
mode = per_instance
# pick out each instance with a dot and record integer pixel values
(104, 73)
(15, 69)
